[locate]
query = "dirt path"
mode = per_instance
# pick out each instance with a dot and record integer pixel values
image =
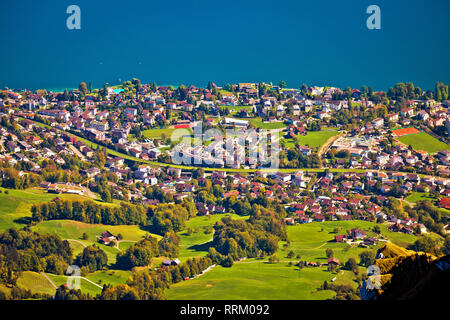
(327, 144)
(49, 280)
(78, 241)
(117, 243)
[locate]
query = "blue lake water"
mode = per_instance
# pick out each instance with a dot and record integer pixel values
(192, 42)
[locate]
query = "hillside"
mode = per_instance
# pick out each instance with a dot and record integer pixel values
(407, 274)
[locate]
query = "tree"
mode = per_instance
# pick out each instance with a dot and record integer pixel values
(282, 84)
(227, 262)
(377, 229)
(446, 247)
(290, 254)
(93, 258)
(427, 244)
(273, 259)
(367, 258)
(83, 89)
(351, 264)
(329, 252)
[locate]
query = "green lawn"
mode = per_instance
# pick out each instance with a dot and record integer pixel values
(255, 281)
(112, 277)
(422, 196)
(198, 243)
(419, 196)
(16, 205)
(258, 123)
(157, 133)
(423, 141)
(315, 139)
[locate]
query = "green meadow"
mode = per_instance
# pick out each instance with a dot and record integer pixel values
(35, 282)
(198, 242)
(258, 122)
(419, 196)
(69, 229)
(256, 281)
(314, 139)
(311, 240)
(157, 133)
(424, 141)
(85, 286)
(15, 206)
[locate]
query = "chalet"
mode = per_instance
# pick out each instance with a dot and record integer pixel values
(169, 262)
(340, 238)
(333, 261)
(107, 237)
(356, 233)
(378, 123)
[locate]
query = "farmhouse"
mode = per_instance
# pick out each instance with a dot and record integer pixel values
(106, 237)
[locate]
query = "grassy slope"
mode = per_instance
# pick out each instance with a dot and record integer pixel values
(69, 229)
(17, 204)
(310, 242)
(253, 279)
(256, 281)
(35, 282)
(419, 196)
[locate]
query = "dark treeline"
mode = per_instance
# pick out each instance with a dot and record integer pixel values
(24, 250)
(10, 178)
(90, 212)
(162, 219)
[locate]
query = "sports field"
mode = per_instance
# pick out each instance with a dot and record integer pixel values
(405, 131)
(423, 141)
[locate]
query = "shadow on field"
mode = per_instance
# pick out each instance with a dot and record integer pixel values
(23, 220)
(201, 247)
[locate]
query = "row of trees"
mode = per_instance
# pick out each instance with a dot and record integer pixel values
(90, 212)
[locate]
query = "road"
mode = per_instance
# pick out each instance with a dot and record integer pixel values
(160, 164)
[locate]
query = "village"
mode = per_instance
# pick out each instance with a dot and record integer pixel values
(54, 127)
